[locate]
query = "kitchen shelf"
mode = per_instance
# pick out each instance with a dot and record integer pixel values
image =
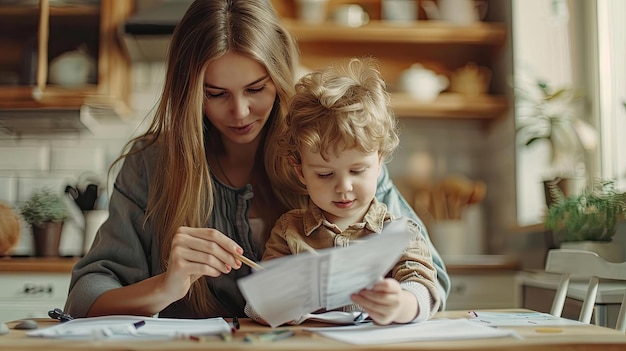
(37, 264)
(439, 46)
(423, 32)
(28, 10)
(451, 105)
(33, 36)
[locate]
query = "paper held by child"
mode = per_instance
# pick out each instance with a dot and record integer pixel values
(292, 286)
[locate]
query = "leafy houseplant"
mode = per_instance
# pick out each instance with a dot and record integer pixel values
(552, 116)
(46, 212)
(591, 215)
(588, 217)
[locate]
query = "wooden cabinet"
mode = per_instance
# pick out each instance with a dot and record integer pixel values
(482, 290)
(482, 282)
(33, 34)
(31, 286)
(436, 45)
(31, 295)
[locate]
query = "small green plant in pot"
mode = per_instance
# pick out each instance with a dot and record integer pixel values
(45, 212)
(588, 217)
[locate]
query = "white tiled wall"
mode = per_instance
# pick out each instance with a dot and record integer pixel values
(57, 160)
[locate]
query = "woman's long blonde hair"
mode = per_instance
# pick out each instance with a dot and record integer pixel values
(181, 193)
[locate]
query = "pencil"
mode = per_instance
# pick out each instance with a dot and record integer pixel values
(248, 261)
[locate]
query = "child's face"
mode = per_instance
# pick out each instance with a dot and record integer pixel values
(344, 186)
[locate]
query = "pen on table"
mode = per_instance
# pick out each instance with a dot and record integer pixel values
(236, 324)
(139, 324)
(248, 261)
(270, 336)
(359, 318)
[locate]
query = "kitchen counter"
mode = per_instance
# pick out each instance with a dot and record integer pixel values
(482, 281)
(468, 264)
(31, 286)
(478, 281)
(465, 264)
(37, 264)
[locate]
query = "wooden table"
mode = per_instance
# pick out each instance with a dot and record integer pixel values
(587, 337)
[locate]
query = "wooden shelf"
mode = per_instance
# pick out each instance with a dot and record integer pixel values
(78, 10)
(451, 105)
(396, 47)
(482, 33)
(439, 46)
(52, 97)
(37, 264)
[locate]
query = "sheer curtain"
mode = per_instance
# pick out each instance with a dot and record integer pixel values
(542, 49)
(611, 88)
(590, 54)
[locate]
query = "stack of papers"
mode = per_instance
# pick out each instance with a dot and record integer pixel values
(133, 327)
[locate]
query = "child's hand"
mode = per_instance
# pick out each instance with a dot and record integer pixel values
(386, 302)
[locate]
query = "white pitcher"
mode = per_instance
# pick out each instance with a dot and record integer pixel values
(460, 12)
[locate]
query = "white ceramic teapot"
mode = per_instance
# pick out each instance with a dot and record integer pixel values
(459, 12)
(73, 69)
(421, 83)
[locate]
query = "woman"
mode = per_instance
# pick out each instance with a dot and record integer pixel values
(197, 187)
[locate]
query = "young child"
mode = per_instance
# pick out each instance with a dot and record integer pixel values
(339, 131)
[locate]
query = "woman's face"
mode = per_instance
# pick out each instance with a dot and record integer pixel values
(239, 96)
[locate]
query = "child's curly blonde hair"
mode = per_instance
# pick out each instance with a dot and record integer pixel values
(339, 108)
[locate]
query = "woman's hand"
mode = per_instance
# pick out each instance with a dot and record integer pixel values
(386, 302)
(197, 252)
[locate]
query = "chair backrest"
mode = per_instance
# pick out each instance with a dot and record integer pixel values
(584, 264)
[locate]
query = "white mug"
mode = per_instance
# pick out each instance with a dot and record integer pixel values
(350, 15)
(312, 11)
(399, 11)
(459, 12)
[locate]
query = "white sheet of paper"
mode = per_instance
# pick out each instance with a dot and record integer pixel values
(431, 330)
(121, 327)
(292, 286)
(519, 319)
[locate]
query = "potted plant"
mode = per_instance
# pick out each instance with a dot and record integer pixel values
(551, 115)
(588, 221)
(45, 212)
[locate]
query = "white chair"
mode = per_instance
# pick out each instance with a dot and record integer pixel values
(584, 264)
